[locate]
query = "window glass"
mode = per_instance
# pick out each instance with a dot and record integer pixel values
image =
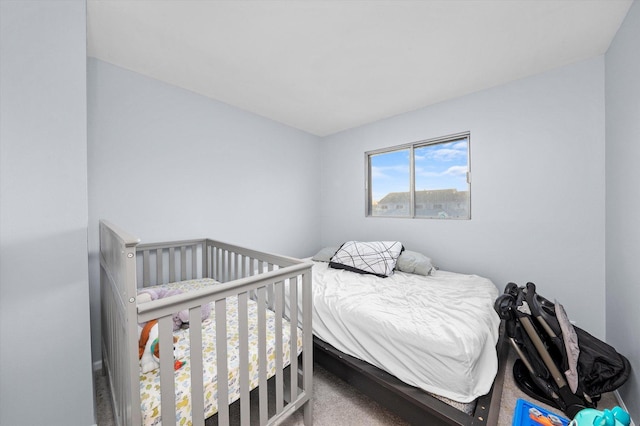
(390, 183)
(427, 179)
(441, 189)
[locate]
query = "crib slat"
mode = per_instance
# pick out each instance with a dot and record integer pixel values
(279, 298)
(223, 265)
(214, 263)
(243, 266)
(262, 356)
(237, 266)
(222, 373)
(159, 271)
(270, 289)
(197, 372)
(243, 358)
(167, 385)
(293, 337)
(220, 263)
(145, 268)
(172, 264)
(204, 259)
(251, 267)
(194, 262)
(183, 263)
(307, 344)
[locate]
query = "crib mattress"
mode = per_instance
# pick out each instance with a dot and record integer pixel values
(150, 382)
(436, 332)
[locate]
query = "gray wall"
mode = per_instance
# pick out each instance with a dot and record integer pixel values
(165, 163)
(45, 358)
(537, 160)
(623, 199)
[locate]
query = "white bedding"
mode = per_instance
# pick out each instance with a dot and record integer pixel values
(434, 332)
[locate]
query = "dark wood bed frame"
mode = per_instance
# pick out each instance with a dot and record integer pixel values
(411, 403)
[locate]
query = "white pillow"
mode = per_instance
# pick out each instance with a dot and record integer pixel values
(325, 254)
(374, 257)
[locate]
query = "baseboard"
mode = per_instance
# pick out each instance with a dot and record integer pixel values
(97, 366)
(621, 404)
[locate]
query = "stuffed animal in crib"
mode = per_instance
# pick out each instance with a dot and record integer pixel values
(180, 319)
(149, 348)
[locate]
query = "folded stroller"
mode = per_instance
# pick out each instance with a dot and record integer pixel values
(558, 363)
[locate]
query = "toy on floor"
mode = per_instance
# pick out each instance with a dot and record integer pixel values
(528, 414)
(592, 417)
(544, 419)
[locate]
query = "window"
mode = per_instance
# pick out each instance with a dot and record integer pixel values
(426, 179)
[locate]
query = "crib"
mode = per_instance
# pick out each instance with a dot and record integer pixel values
(255, 281)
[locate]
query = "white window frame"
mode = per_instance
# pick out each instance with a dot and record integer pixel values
(412, 180)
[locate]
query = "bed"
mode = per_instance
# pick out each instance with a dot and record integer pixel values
(235, 327)
(425, 343)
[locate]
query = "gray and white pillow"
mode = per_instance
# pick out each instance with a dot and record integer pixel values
(413, 262)
(374, 257)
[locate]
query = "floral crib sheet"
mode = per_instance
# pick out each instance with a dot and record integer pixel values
(150, 382)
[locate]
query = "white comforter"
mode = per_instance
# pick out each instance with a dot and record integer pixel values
(437, 332)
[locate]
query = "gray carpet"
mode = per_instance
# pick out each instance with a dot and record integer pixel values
(337, 403)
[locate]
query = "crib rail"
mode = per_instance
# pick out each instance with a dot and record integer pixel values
(245, 273)
(261, 284)
(162, 263)
(119, 327)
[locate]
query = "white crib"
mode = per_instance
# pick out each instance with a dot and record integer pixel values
(249, 278)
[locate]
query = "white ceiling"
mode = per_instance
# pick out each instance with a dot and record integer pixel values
(326, 66)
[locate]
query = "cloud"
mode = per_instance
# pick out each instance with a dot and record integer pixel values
(448, 152)
(462, 145)
(455, 171)
(451, 171)
(389, 172)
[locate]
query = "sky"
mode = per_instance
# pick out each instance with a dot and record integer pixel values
(438, 166)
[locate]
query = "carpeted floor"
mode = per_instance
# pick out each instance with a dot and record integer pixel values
(337, 403)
